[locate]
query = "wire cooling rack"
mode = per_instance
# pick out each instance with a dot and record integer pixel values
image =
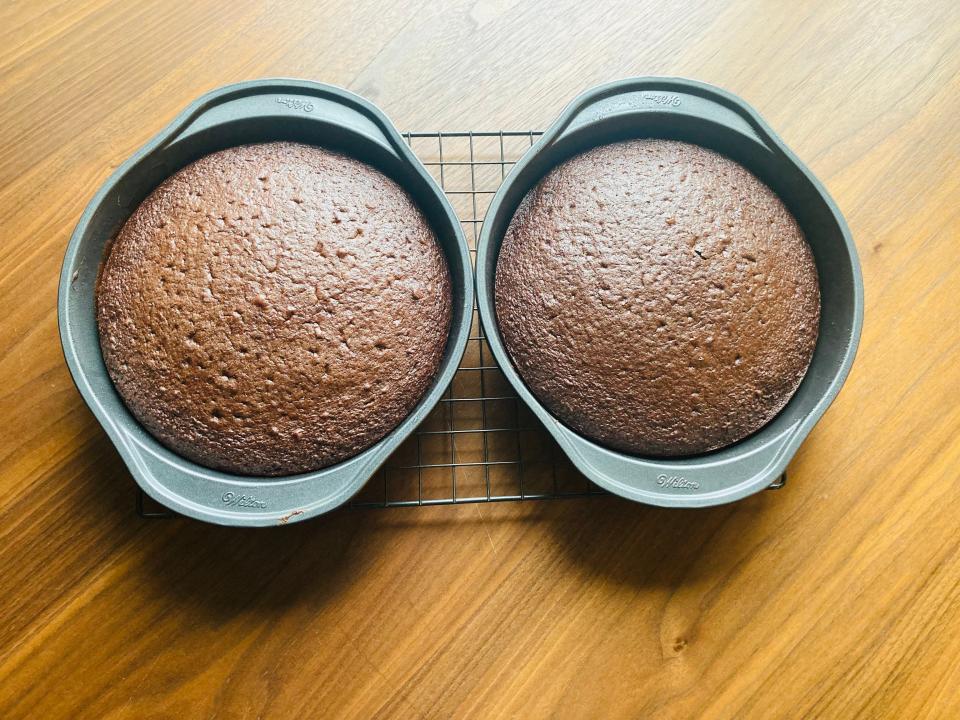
(481, 443)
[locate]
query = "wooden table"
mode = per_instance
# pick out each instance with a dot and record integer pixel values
(836, 597)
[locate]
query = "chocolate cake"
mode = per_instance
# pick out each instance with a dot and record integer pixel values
(273, 309)
(657, 297)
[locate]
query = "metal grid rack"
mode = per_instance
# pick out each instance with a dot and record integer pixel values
(481, 443)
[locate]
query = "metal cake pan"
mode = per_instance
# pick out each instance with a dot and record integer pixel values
(699, 113)
(257, 111)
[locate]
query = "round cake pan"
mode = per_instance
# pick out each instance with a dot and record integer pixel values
(697, 113)
(249, 112)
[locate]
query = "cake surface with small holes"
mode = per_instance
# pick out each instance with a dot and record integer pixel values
(273, 309)
(657, 297)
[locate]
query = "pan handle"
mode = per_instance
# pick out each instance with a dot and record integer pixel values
(670, 99)
(755, 464)
(333, 109)
(230, 499)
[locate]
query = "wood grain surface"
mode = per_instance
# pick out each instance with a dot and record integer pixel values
(837, 597)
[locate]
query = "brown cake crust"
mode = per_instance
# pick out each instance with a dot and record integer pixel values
(657, 297)
(273, 309)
